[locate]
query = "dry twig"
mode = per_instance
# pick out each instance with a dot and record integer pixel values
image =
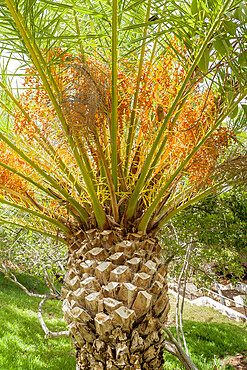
(49, 334)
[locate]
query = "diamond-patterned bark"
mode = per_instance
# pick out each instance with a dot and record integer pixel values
(116, 301)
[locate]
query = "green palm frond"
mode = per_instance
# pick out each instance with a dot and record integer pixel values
(94, 163)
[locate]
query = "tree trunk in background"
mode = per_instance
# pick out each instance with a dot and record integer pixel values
(116, 300)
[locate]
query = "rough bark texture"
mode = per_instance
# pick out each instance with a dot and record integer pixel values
(116, 301)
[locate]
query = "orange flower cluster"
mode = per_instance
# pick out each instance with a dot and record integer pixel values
(195, 120)
(160, 84)
(8, 179)
(35, 103)
(203, 163)
(84, 94)
(127, 78)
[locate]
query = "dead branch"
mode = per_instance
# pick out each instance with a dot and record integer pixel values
(187, 259)
(174, 231)
(49, 334)
(171, 348)
(178, 295)
(49, 283)
(179, 314)
(12, 277)
(177, 350)
(169, 259)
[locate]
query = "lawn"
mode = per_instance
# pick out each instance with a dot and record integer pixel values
(22, 345)
(211, 337)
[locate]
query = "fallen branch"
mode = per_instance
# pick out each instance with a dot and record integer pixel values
(12, 277)
(49, 334)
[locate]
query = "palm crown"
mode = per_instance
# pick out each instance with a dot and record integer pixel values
(119, 122)
(118, 126)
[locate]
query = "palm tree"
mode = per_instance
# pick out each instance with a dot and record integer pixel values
(116, 128)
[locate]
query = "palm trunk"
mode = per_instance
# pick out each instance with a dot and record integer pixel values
(116, 300)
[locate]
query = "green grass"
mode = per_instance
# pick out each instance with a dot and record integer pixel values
(209, 336)
(22, 343)
(23, 347)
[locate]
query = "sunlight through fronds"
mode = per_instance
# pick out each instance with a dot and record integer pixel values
(123, 132)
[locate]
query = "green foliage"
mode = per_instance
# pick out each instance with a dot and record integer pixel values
(84, 192)
(30, 251)
(22, 343)
(209, 336)
(217, 227)
(206, 39)
(207, 341)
